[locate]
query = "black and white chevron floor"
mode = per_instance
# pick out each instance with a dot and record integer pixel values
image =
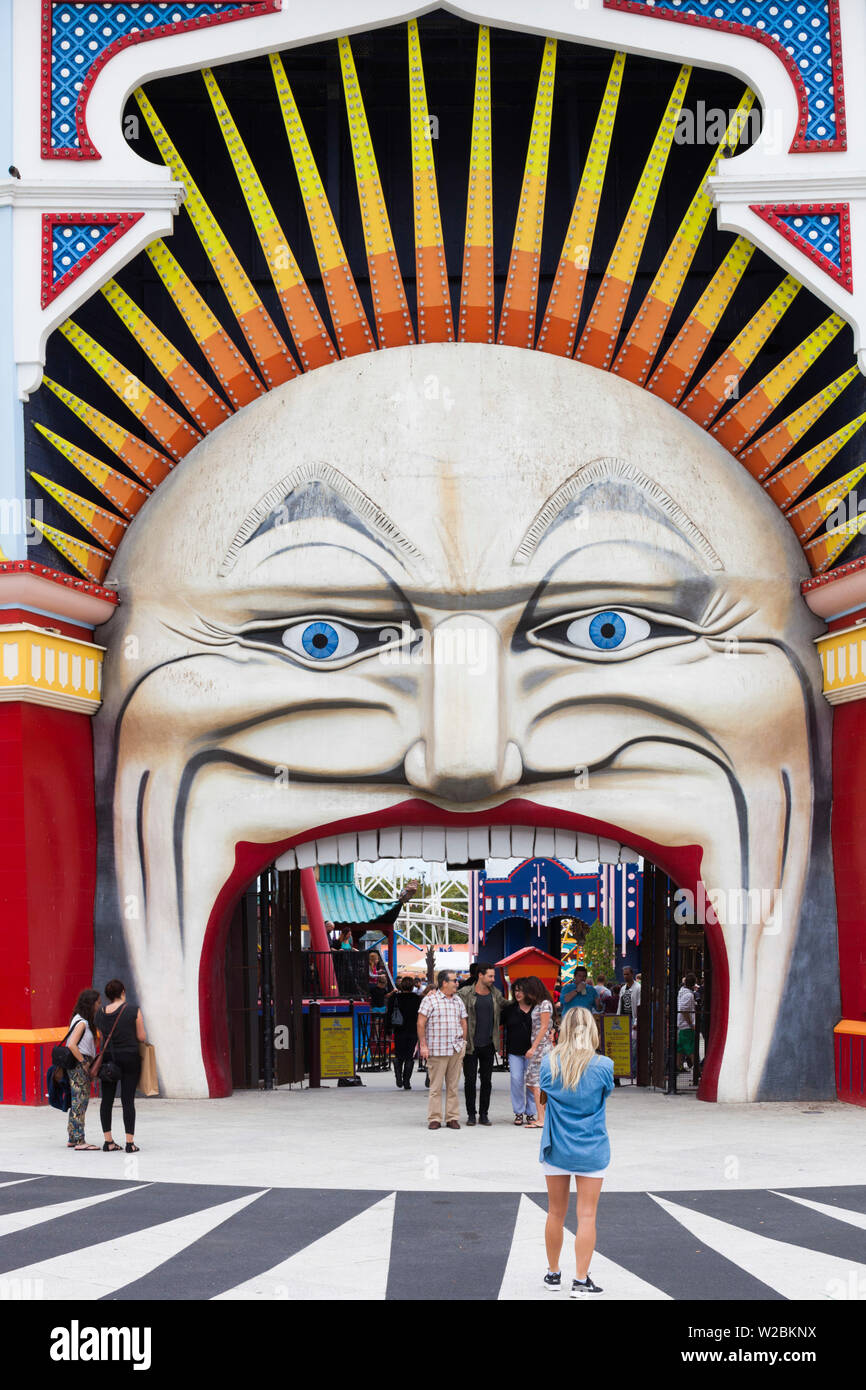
(80, 1238)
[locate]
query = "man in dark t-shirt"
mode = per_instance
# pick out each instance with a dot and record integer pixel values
(484, 1004)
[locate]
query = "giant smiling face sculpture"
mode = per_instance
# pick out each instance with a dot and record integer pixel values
(459, 575)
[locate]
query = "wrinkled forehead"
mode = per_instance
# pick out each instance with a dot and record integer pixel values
(458, 468)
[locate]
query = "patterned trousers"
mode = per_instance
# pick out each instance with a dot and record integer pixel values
(79, 1086)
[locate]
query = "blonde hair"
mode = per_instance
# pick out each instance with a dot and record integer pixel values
(578, 1040)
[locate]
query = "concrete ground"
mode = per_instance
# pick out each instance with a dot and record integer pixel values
(376, 1137)
(337, 1194)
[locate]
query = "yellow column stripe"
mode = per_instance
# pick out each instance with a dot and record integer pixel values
(93, 469)
(674, 268)
(626, 254)
(479, 207)
(778, 382)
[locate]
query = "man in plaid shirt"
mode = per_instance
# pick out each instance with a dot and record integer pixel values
(442, 1043)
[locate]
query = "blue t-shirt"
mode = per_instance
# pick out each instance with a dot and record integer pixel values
(584, 1001)
(575, 1132)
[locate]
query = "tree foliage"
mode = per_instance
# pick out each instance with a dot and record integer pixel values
(599, 951)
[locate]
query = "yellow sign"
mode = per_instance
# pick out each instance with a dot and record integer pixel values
(337, 1047)
(616, 1044)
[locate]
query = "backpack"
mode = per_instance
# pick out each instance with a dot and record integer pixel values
(59, 1091)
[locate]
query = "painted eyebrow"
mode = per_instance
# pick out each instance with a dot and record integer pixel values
(374, 521)
(613, 470)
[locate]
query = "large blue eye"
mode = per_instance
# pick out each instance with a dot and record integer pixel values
(320, 640)
(607, 631)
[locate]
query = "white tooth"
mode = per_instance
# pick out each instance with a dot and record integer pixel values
(347, 848)
(411, 842)
(608, 851)
(389, 842)
(306, 854)
(326, 850)
(457, 845)
(566, 844)
(433, 844)
(368, 845)
(628, 856)
(545, 842)
(522, 841)
(479, 842)
(286, 861)
(500, 842)
(587, 849)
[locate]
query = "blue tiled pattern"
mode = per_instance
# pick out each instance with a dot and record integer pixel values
(70, 241)
(81, 33)
(821, 231)
(802, 27)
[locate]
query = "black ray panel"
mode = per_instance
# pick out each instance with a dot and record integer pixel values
(42, 1192)
(109, 1220)
(634, 1231)
(774, 1217)
(268, 1231)
(451, 1246)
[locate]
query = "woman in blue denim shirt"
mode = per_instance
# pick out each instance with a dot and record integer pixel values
(577, 1082)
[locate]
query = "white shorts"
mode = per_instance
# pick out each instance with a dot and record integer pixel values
(551, 1172)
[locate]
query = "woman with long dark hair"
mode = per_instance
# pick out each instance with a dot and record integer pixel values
(577, 1082)
(517, 1020)
(536, 994)
(122, 1029)
(81, 1042)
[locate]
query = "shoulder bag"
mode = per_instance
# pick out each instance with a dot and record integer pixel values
(110, 1070)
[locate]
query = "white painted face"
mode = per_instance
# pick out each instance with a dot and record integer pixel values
(462, 574)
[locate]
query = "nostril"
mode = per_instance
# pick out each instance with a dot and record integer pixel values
(415, 764)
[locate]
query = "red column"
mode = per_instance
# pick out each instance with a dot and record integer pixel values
(849, 851)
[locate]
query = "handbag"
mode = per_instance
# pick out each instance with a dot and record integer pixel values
(62, 1058)
(396, 1016)
(110, 1070)
(147, 1082)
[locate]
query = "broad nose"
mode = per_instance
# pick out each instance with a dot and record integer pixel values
(465, 753)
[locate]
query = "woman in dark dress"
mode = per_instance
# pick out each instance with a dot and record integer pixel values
(124, 1018)
(405, 1002)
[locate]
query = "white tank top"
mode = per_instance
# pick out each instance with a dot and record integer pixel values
(87, 1045)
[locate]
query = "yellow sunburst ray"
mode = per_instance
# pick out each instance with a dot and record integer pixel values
(559, 326)
(476, 285)
(275, 361)
(642, 341)
(393, 324)
(312, 340)
(344, 302)
(599, 337)
(173, 433)
(517, 318)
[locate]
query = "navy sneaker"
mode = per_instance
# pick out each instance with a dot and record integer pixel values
(581, 1287)
(553, 1281)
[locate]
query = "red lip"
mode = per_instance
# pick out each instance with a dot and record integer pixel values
(681, 863)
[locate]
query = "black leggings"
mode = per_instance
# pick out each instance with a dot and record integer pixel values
(130, 1070)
